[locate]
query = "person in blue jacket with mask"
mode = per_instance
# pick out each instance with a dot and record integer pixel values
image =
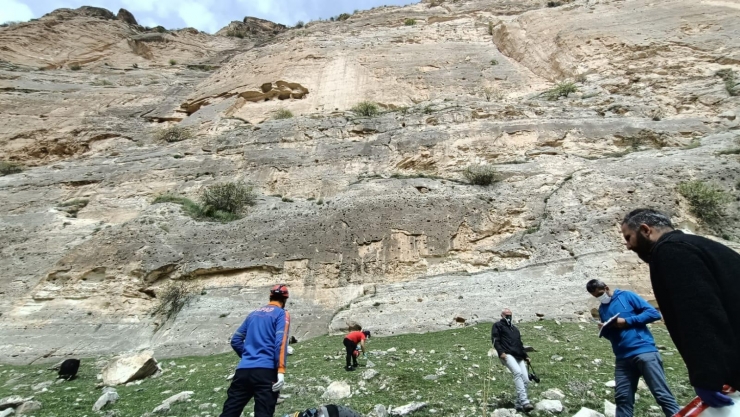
(634, 347)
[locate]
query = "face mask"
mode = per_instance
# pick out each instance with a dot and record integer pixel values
(508, 320)
(605, 298)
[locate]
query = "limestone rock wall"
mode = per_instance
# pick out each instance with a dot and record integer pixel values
(366, 219)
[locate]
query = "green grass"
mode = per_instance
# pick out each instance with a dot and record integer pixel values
(409, 22)
(460, 358)
(173, 62)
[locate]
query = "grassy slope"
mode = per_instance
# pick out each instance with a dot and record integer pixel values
(460, 353)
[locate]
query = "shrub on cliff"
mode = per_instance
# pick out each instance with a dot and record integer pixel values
(480, 174)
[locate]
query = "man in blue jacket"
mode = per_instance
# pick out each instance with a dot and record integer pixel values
(633, 346)
(262, 344)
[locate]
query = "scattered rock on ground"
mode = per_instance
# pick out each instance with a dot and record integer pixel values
(553, 394)
(165, 406)
(379, 411)
(7, 412)
(337, 390)
(407, 409)
(611, 384)
(110, 396)
(587, 412)
(13, 401)
(28, 407)
(504, 412)
(369, 374)
(129, 368)
(610, 410)
(552, 406)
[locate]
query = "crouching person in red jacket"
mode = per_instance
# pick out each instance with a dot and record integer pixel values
(262, 344)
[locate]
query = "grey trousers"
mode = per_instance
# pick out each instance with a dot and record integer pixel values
(521, 378)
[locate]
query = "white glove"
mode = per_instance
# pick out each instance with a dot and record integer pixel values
(280, 382)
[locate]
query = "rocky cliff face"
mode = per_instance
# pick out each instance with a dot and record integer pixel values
(367, 219)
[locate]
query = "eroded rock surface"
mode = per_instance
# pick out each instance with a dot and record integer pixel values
(366, 219)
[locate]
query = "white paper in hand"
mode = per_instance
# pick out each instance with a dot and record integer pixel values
(608, 323)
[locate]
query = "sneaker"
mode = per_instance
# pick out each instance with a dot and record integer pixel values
(527, 408)
(349, 368)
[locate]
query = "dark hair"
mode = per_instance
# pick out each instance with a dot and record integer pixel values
(650, 217)
(280, 298)
(595, 284)
(366, 333)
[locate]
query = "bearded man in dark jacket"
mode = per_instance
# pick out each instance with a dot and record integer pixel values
(696, 282)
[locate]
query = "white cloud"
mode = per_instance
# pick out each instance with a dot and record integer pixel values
(198, 16)
(12, 10)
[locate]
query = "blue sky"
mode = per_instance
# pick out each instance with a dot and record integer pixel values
(205, 15)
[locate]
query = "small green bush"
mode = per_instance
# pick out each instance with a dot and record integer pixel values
(299, 24)
(134, 65)
(282, 114)
(562, 89)
(173, 134)
(160, 29)
(228, 198)
(731, 83)
(101, 82)
(75, 67)
(706, 200)
(7, 168)
(735, 151)
(343, 16)
(74, 206)
(173, 62)
(490, 27)
(366, 108)
(554, 3)
(409, 22)
(480, 174)
(494, 62)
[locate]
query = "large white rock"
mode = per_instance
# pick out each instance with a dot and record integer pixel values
(129, 368)
(553, 394)
(611, 384)
(110, 396)
(587, 412)
(337, 390)
(7, 412)
(407, 409)
(552, 406)
(610, 410)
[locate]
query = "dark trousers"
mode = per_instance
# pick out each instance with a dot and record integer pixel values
(248, 383)
(351, 346)
(627, 374)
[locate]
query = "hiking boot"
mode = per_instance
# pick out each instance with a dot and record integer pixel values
(527, 407)
(349, 368)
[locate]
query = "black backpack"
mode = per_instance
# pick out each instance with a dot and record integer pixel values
(69, 369)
